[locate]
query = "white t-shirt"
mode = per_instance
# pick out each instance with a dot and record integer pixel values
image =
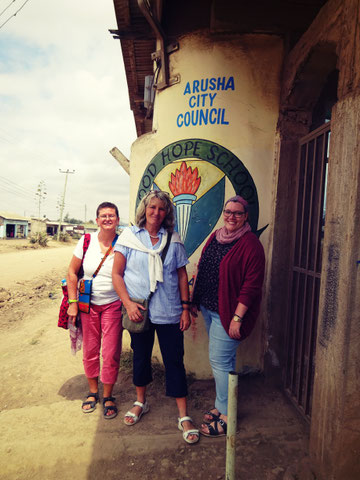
(102, 288)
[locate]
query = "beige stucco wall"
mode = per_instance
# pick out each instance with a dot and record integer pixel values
(251, 109)
(38, 226)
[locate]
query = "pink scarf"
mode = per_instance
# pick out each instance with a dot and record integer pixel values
(222, 235)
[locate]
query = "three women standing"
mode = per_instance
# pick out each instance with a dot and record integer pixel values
(227, 291)
(103, 322)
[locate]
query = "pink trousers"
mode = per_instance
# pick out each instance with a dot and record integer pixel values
(103, 321)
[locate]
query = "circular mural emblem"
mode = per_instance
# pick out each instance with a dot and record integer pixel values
(194, 172)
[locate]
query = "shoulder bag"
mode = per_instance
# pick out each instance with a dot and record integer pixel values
(85, 286)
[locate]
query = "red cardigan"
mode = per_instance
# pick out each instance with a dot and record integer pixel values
(241, 276)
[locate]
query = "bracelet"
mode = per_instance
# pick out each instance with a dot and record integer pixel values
(72, 301)
(185, 302)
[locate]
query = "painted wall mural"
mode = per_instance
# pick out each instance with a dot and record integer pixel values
(194, 172)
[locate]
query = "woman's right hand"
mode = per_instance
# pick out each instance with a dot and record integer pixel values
(234, 330)
(134, 311)
(72, 312)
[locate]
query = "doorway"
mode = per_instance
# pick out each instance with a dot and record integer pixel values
(306, 267)
(10, 230)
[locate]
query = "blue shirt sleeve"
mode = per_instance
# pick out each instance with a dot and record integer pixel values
(122, 249)
(181, 257)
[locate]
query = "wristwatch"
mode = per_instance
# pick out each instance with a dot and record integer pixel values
(237, 318)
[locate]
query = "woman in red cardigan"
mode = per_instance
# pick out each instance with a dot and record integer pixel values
(228, 293)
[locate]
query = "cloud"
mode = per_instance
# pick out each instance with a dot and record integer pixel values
(63, 105)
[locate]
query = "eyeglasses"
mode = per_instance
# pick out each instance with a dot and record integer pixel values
(236, 214)
(107, 216)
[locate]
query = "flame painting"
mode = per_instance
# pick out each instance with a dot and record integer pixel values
(183, 185)
(185, 180)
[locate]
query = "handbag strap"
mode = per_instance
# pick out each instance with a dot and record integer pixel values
(87, 238)
(105, 256)
(163, 256)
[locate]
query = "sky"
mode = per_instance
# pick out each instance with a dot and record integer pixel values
(64, 105)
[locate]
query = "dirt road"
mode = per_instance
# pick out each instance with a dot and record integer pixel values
(16, 267)
(45, 436)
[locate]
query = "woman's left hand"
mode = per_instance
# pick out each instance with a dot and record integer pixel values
(185, 320)
(234, 330)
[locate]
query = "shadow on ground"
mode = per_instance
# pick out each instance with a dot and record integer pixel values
(271, 441)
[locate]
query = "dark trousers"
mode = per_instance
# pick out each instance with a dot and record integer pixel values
(171, 341)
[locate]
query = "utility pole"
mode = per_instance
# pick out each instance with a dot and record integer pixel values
(63, 199)
(85, 215)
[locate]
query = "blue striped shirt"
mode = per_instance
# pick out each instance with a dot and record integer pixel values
(165, 304)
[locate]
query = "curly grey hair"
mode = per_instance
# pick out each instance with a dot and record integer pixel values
(169, 220)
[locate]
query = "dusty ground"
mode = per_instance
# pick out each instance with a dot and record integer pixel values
(44, 434)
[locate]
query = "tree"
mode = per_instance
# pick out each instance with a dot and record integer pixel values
(40, 196)
(67, 219)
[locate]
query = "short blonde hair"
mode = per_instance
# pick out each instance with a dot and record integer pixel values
(169, 220)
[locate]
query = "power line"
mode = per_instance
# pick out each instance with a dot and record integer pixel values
(11, 188)
(14, 14)
(19, 194)
(25, 196)
(15, 185)
(7, 180)
(7, 7)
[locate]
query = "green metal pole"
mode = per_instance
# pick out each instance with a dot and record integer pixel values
(231, 426)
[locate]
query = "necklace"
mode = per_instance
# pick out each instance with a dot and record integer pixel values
(154, 236)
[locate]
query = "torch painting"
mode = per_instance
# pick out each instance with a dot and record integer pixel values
(196, 172)
(184, 185)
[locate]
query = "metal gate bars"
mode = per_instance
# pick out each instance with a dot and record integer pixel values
(306, 268)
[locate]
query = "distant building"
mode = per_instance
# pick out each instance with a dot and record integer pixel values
(51, 227)
(13, 225)
(89, 227)
(37, 225)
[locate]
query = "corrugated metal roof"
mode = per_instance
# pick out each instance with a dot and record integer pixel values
(13, 216)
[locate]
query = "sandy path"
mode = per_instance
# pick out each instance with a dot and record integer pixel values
(44, 435)
(25, 265)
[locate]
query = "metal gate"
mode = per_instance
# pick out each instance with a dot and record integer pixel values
(306, 268)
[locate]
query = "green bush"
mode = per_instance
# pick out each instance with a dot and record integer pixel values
(64, 237)
(39, 238)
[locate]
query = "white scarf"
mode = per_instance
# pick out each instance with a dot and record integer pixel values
(129, 239)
